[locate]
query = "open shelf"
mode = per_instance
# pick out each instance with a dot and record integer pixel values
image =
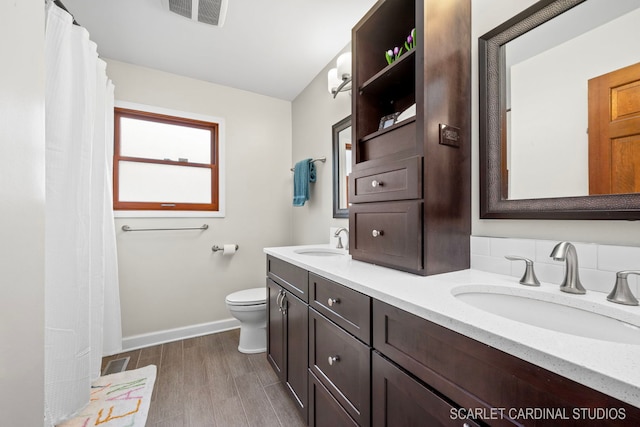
(399, 75)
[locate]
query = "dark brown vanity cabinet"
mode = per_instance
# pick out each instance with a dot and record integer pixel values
(350, 360)
(446, 367)
(287, 331)
(410, 183)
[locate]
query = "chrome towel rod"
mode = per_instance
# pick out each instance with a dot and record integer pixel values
(127, 228)
(319, 159)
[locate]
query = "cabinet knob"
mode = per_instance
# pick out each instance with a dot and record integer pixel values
(376, 233)
(333, 359)
(375, 183)
(332, 301)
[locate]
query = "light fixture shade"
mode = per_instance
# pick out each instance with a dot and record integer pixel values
(332, 80)
(344, 66)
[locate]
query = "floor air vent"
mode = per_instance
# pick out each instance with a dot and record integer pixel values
(212, 12)
(116, 365)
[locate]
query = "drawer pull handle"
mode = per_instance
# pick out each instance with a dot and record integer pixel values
(376, 233)
(375, 183)
(333, 359)
(332, 301)
(279, 300)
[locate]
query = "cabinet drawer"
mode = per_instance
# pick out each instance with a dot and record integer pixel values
(400, 400)
(401, 138)
(290, 277)
(342, 364)
(324, 409)
(351, 310)
(400, 180)
(387, 233)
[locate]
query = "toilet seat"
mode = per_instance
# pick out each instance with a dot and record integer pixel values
(254, 296)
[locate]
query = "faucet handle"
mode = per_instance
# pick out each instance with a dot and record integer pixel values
(621, 294)
(529, 277)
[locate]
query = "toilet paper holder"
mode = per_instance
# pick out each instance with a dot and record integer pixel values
(216, 248)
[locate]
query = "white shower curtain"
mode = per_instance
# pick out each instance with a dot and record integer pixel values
(82, 308)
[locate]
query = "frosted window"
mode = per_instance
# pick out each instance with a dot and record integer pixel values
(150, 182)
(161, 141)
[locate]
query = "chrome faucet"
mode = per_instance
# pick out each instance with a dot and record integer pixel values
(565, 251)
(529, 277)
(621, 294)
(337, 234)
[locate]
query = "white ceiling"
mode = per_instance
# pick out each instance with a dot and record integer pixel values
(270, 47)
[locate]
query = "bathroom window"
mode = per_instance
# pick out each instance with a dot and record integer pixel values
(165, 163)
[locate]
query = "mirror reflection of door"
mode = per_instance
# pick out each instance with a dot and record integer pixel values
(614, 132)
(545, 108)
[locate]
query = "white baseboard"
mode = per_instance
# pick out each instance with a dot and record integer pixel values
(135, 342)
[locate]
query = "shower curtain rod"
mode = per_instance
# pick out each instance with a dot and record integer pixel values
(62, 6)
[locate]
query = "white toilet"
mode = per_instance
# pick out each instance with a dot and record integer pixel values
(250, 308)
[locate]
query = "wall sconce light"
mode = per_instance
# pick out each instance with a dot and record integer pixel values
(339, 78)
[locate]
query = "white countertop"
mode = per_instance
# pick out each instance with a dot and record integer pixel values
(610, 367)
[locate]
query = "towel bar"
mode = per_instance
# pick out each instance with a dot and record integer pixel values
(319, 159)
(127, 228)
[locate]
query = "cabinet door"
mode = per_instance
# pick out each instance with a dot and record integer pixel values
(400, 400)
(324, 410)
(296, 318)
(275, 330)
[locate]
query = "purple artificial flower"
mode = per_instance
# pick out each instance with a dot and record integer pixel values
(396, 50)
(409, 39)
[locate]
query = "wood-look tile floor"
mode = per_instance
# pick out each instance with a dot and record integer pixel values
(206, 381)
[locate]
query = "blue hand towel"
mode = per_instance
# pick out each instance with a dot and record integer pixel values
(304, 172)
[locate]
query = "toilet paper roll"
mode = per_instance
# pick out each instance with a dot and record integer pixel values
(228, 249)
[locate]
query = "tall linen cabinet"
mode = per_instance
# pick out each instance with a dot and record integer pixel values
(410, 186)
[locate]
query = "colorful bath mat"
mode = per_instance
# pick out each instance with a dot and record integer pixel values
(118, 400)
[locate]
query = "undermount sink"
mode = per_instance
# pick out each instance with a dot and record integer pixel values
(537, 309)
(320, 251)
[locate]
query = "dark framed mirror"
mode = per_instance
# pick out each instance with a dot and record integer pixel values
(341, 136)
(542, 140)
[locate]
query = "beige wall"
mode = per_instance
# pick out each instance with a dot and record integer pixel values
(22, 213)
(314, 112)
(172, 279)
(487, 14)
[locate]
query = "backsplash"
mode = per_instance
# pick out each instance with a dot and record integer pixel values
(598, 263)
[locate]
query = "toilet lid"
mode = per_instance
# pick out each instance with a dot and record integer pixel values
(248, 297)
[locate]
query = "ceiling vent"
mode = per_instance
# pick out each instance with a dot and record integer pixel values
(212, 12)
